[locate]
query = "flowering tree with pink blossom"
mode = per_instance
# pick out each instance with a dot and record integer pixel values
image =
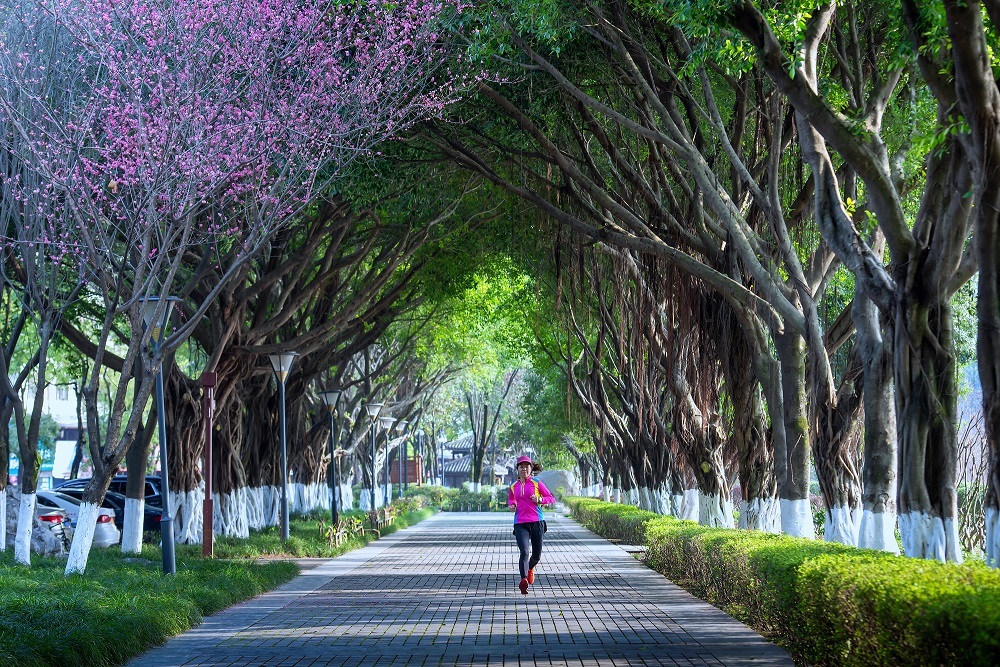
(40, 277)
(194, 127)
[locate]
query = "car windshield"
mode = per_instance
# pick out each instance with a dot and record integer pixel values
(65, 498)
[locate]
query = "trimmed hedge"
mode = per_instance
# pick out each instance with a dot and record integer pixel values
(828, 604)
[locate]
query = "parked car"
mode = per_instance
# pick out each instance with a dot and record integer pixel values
(153, 492)
(116, 502)
(106, 534)
(56, 519)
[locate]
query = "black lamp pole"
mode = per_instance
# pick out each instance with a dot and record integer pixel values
(372, 409)
(330, 399)
(281, 364)
(150, 306)
(387, 423)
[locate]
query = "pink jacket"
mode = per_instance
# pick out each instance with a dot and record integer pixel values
(519, 497)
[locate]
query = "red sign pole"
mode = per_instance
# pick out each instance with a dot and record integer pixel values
(208, 507)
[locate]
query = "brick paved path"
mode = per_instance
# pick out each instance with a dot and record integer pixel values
(444, 592)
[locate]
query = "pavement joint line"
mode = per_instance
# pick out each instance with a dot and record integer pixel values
(443, 592)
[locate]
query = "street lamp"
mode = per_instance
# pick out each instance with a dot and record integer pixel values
(404, 459)
(281, 364)
(421, 477)
(330, 399)
(372, 409)
(386, 424)
(154, 318)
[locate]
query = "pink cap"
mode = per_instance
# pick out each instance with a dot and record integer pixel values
(523, 459)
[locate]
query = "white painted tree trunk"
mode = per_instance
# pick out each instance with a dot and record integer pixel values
(83, 539)
(878, 531)
(188, 518)
(607, 494)
(618, 495)
(715, 510)
(476, 487)
(676, 504)
(365, 501)
(131, 526)
(25, 522)
(3, 519)
(690, 505)
(797, 519)
(306, 498)
(663, 502)
(992, 545)
(231, 513)
(842, 525)
(346, 497)
(324, 495)
(254, 499)
(271, 505)
(298, 499)
(761, 514)
(926, 536)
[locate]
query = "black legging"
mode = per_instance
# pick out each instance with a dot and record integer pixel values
(523, 533)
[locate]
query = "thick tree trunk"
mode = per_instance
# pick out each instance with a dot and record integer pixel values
(926, 406)
(878, 496)
(759, 509)
(135, 489)
(979, 101)
(988, 238)
(793, 491)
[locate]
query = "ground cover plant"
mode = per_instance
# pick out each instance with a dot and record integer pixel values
(827, 603)
(308, 535)
(125, 606)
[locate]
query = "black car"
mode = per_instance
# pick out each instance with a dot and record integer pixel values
(115, 501)
(153, 491)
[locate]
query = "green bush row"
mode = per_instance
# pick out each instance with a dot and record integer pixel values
(828, 604)
(463, 500)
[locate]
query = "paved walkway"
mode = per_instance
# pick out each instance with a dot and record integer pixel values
(444, 592)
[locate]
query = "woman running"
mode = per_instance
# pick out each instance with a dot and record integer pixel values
(525, 498)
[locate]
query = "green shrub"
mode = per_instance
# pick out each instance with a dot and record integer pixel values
(828, 604)
(435, 495)
(472, 501)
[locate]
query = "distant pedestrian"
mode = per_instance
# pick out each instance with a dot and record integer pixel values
(525, 498)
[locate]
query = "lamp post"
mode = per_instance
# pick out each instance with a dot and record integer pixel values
(330, 399)
(281, 364)
(386, 423)
(403, 458)
(421, 477)
(372, 409)
(442, 459)
(154, 318)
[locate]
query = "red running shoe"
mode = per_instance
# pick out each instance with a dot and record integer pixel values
(531, 576)
(524, 586)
